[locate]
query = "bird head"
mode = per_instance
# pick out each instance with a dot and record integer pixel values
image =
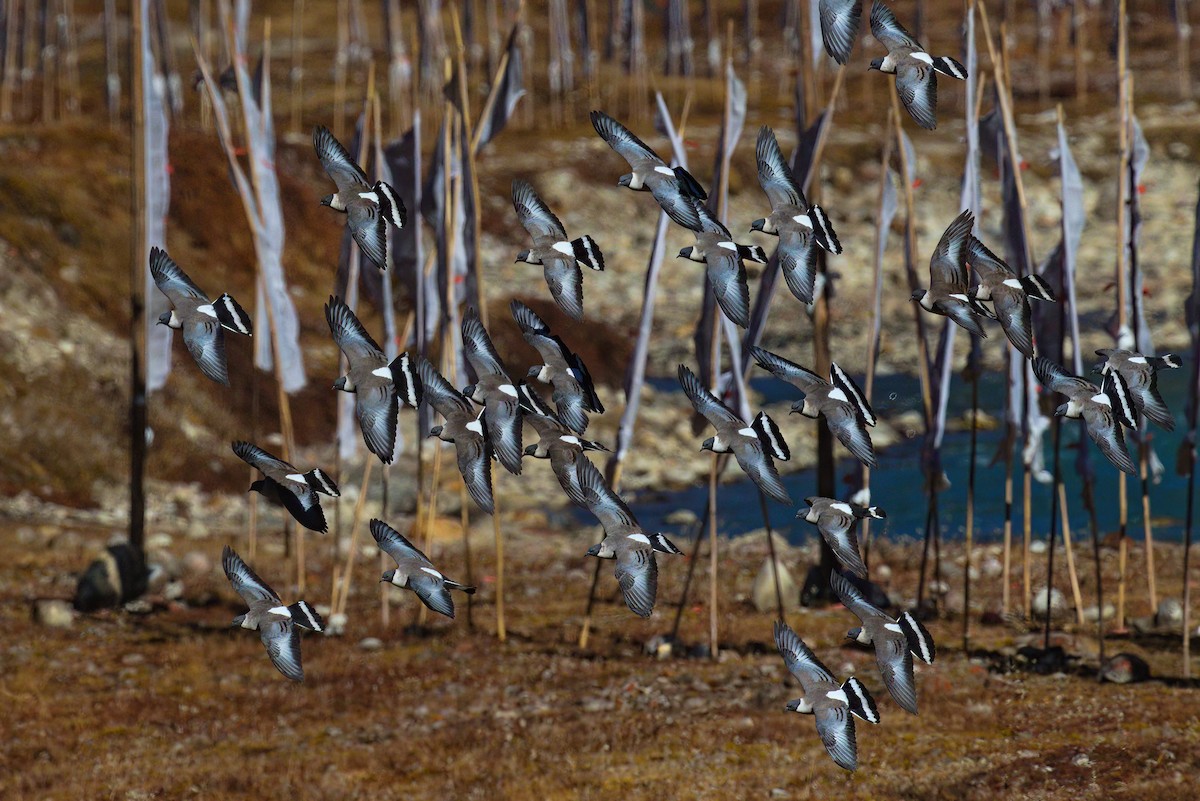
(165, 318)
(800, 705)
(531, 450)
(259, 486)
(534, 371)
(327, 201)
(758, 225)
(389, 577)
(436, 431)
(238, 621)
(594, 550)
(469, 391)
(707, 445)
(344, 384)
(855, 634)
(523, 256)
(917, 295)
(685, 253)
(625, 180)
(1061, 411)
(877, 64)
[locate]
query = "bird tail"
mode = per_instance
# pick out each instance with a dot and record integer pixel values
(873, 511)
(1036, 287)
(408, 383)
(860, 700)
(919, 641)
(390, 204)
(232, 316)
(1167, 361)
(587, 252)
(1118, 392)
(771, 437)
(454, 585)
(660, 543)
(320, 481)
(752, 253)
(305, 616)
(531, 401)
(948, 66)
(823, 230)
(689, 185)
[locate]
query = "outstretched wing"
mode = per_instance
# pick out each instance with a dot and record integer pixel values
(533, 212)
(774, 174)
(395, 544)
(348, 176)
(245, 581)
(888, 30)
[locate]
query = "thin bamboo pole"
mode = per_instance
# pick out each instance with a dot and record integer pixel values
(338, 605)
(139, 248)
(1123, 190)
(1006, 586)
(1076, 595)
(970, 529)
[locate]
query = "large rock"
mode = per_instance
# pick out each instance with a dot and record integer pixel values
(763, 591)
(118, 576)
(1125, 668)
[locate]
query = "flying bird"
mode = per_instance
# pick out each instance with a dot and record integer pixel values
(722, 257)
(915, 70)
(495, 391)
(560, 257)
(564, 448)
(673, 188)
(1141, 376)
(284, 484)
(414, 571)
(278, 624)
(574, 393)
(896, 641)
(752, 445)
(841, 401)
(464, 429)
(835, 520)
(1103, 409)
(369, 208)
(378, 387)
(1009, 294)
(624, 540)
(200, 319)
(839, 27)
(832, 704)
(949, 283)
(797, 224)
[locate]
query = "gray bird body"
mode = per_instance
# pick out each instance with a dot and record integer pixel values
(845, 408)
(1009, 294)
(798, 225)
(832, 704)
(734, 436)
(1140, 374)
(651, 173)
(722, 258)
(560, 257)
(835, 520)
(414, 571)
(915, 69)
(369, 208)
(624, 541)
(495, 391)
(201, 320)
(895, 641)
(564, 449)
(370, 378)
(1104, 410)
(949, 282)
(277, 623)
(284, 483)
(574, 395)
(464, 429)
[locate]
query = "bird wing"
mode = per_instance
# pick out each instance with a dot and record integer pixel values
(916, 84)
(947, 266)
(1105, 431)
(704, 402)
(798, 260)
(344, 171)
(503, 417)
(302, 503)
(569, 402)
(774, 174)
(961, 313)
(727, 276)
(1056, 379)
(206, 342)
(801, 378)
(757, 464)
(350, 335)
(432, 591)
(637, 574)
(565, 281)
(478, 347)
(368, 226)
(1012, 310)
(895, 662)
(838, 530)
(378, 411)
(395, 544)
(990, 268)
(245, 581)
(475, 465)
(888, 30)
(601, 501)
(681, 207)
(800, 660)
(622, 140)
(172, 281)
(533, 212)
(846, 424)
(853, 599)
(839, 27)
(836, 729)
(282, 640)
(447, 400)
(256, 457)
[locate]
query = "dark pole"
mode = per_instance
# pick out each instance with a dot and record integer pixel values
(697, 530)
(1053, 530)
(762, 504)
(137, 269)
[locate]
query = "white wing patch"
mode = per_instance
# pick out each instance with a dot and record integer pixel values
(297, 477)
(208, 309)
(925, 57)
(570, 440)
(564, 248)
(895, 627)
(1136, 359)
(282, 611)
(844, 508)
(837, 395)
(475, 426)
(839, 695)
(1013, 282)
(803, 219)
(432, 572)
(382, 372)
(508, 389)
(661, 170)
(727, 245)
(1101, 399)
(959, 296)
(639, 537)
(748, 432)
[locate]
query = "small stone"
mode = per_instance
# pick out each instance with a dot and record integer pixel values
(1170, 612)
(1058, 604)
(335, 625)
(1082, 761)
(1037, 546)
(370, 644)
(763, 591)
(681, 517)
(53, 613)
(1125, 668)
(1092, 613)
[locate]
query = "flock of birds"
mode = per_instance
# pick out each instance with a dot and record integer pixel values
(484, 421)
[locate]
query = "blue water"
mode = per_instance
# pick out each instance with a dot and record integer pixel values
(897, 485)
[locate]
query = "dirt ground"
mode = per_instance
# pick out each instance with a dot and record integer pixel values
(172, 703)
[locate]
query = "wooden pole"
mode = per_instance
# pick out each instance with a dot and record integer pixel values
(338, 605)
(1006, 586)
(1194, 417)
(970, 530)
(1076, 596)
(137, 282)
